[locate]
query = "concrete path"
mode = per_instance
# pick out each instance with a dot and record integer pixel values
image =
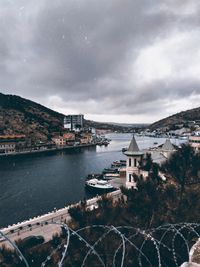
(43, 225)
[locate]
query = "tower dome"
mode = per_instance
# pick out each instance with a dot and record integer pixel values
(133, 149)
(134, 157)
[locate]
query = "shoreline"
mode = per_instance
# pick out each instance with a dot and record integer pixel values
(37, 224)
(46, 150)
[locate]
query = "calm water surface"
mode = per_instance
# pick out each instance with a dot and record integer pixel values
(35, 184)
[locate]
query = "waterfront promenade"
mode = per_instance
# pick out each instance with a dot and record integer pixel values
(45, 224)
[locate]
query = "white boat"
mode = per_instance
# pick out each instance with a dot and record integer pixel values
(98, 185)
(109, 176)
(183, 137)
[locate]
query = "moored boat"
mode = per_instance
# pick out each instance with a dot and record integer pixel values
(118, 163)
(110, 170)
(94, 176)
(109, 176)
(98, 185)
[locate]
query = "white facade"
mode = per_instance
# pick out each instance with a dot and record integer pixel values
(67, 126)
(134, 156)
(7, 148)
(132, 164)
(74, 122)
(161, 153)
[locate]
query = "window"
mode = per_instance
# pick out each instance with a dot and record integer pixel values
(130, 177)
(129, 162)
(135, 162)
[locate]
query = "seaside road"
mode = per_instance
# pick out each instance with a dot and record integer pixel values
(42, 225)
(36, 227)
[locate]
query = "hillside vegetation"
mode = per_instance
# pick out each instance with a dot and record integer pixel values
(22, 116)
(179, 118)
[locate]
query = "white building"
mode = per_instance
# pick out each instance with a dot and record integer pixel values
(162, 152)
(7, 147)
(167, 149)
(134, 157)
(74, 122)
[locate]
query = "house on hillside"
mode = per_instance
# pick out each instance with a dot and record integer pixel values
(12, 143)
(162, 152)
(59, 141)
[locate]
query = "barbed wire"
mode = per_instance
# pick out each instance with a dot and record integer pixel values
(150, 246)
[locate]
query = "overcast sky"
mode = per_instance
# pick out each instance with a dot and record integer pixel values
(113, 60)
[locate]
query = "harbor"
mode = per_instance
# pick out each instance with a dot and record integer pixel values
(99, 133)
(27, 185)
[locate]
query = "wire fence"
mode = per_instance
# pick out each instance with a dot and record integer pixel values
(120, 246)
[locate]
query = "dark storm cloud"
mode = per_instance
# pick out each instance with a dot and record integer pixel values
(98, 54)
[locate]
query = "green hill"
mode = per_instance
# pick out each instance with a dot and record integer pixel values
(22, 116)
(179, 118)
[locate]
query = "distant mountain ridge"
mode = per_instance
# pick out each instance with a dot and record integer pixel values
(22, 116)
(179, 118)
(114, 126)
(128, 124)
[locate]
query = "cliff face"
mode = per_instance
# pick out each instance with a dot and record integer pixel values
(22, 116)
(179, 118)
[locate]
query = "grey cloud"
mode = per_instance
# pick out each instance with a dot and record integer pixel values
(84, 50)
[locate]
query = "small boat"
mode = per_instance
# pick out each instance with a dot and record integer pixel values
(155, 143)
(124, 149)
(183, 137)
(94, 176)
(109, 176)
(110, 170)
(98, 185)
(116, 164)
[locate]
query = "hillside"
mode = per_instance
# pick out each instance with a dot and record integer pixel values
(179, 118)
(22, 116)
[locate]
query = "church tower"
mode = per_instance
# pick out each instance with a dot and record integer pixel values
(134, 156)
